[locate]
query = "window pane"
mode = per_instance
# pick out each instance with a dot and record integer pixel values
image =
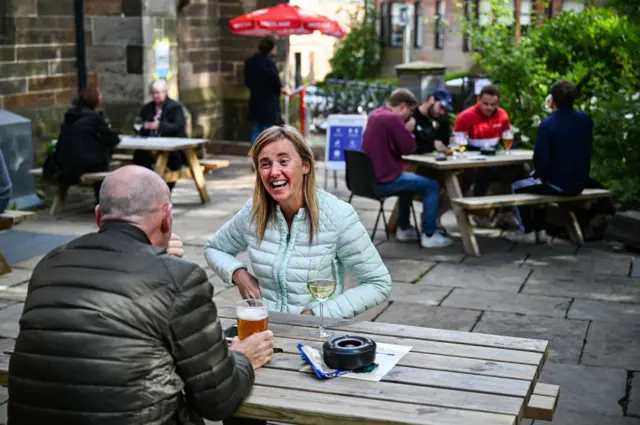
(417, 27)
(573, 5)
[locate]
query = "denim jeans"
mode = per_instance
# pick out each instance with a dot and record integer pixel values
(257, 129)
(411, 183)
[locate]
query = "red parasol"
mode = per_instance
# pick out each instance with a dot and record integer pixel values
(284, 20)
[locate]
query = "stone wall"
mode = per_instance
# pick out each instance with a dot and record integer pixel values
(37, 61)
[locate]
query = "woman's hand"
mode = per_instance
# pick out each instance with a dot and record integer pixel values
(247, 285)
(176, 247)
(151, 125)
(307, 313)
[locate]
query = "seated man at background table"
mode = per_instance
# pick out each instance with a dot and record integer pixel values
(163, 117)
(117, 330)
(561, 157)
(483, 124)
(387, 137)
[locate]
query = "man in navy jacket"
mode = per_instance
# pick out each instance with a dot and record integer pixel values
(562, 160)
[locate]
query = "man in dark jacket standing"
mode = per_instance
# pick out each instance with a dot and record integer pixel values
(263, 81)
(116, 331)
(561, 157)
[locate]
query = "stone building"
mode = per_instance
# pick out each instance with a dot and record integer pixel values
(38, 74)
(436, 34)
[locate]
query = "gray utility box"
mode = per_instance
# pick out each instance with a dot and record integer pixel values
(16, 144)
(421, 77)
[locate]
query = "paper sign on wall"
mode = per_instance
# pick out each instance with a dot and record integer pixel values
(162, 49)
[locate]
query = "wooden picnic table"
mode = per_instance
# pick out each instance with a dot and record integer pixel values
(163, 146)
(450, 169)
(448, 377)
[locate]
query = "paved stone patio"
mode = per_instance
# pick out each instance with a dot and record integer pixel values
(582, 300)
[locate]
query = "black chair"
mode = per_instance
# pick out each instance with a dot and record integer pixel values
(361, 181)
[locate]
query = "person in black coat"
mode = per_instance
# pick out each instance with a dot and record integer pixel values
(84, 143)
(117, 330)
(162, 117)
(263, 81)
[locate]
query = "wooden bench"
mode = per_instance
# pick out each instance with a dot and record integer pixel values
(521, 199)
(87, 179)
(123, 158)
(209, 165)
(8, 219)
(543, 402)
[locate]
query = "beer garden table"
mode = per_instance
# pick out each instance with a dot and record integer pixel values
(448, 377)
(450, 168)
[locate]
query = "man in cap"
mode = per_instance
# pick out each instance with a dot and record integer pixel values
(432, 129)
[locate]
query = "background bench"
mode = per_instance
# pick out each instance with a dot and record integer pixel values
(8, 219)
(521, 199)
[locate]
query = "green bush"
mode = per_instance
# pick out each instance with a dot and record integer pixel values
(598, 50)
(357, 56)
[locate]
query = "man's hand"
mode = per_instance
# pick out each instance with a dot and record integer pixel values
(247, 285)
(411, 124)
(307, 313)
(151, 125)
(258, 348)
(440, 147)
(176, 247)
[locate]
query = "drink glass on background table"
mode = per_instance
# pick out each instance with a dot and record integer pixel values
(321, 282)
(460, 140)
(137, 125)
(253, 317)
(507, 140)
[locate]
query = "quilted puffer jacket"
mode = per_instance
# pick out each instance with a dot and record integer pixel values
(281, 261)
(117, 332)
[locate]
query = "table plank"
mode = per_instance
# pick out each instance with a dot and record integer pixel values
(309, 408)
(429, 160)
(432, 378)
(404, 331)
(389, 391)
(419, 346)
(439, 362)
(158, 143)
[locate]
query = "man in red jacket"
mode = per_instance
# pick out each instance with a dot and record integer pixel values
(387, 137)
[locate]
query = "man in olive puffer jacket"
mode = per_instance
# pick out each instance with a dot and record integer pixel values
(116, 331)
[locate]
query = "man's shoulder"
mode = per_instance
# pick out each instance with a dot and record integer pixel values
(501, 114)
(468, 114)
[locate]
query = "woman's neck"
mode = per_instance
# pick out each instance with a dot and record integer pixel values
(289, 210)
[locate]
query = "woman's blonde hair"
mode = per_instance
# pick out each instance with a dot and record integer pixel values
(264, 206)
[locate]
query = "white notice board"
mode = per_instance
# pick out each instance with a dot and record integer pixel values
(343, 132)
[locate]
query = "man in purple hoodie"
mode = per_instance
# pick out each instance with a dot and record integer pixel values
(388, 136)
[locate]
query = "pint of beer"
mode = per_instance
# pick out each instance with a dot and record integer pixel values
(253, 317)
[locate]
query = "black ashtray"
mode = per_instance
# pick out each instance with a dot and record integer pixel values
(488, 151)
(349, 352)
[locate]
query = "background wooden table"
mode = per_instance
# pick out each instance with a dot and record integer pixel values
(448, 377)
(450, 169)
(163, 146)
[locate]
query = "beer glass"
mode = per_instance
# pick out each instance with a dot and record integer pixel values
(253, 317)
(507, 138)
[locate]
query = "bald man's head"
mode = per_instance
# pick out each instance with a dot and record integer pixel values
(139, 196)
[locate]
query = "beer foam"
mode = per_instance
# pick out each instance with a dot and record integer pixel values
(252, 314)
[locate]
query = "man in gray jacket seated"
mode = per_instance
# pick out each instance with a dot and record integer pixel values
(5, 185)
(117, 331)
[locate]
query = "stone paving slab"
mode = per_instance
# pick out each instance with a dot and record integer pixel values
(491, 258)
(406, 270)
(372, 314)
(411, 250)
(14, 294)
(456, 319)
(569, 417)
(29, 264)
(588, 261)
(604, 311)
(507, 278)
(613, 345)
(16, 277)
(419, 294)
(586, 390)
(565, 336)
(633, 409)
(585, 286)
(9, 318)
(508, 302)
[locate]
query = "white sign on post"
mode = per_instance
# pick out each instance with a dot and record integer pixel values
(343, 132)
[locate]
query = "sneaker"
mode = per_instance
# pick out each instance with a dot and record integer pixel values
(406, 235)
(541, 236)
(437, 240)
(520, 237)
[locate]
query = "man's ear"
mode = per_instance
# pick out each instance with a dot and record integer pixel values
(167, 221)
(99, 215)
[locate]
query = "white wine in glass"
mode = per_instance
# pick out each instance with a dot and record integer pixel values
(321, 283)
(137, 125)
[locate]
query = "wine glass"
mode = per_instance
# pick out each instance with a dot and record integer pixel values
(322, 278)
(137, 124)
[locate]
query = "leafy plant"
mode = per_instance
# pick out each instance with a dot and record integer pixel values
(357, 56)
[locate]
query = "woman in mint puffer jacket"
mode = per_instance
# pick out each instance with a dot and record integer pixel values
(290, 223)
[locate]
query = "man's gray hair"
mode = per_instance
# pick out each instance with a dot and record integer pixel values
(132, 191)
(161, 85)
